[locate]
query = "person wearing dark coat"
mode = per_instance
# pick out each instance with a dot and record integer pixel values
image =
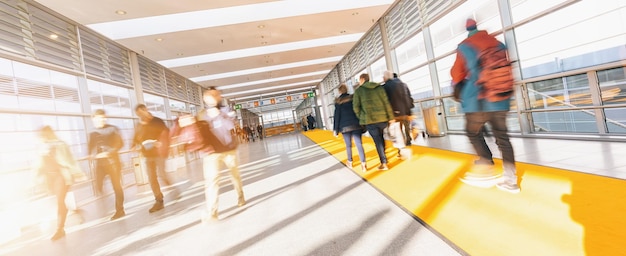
(401, 102)
(346, 123)
(311, 121)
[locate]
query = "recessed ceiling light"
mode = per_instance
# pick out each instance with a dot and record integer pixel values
(263, 43)
(179, 54)
(355, 13)
(54, 36)
(342, 32)
(261, 26)
(120, 12)
(159, 39)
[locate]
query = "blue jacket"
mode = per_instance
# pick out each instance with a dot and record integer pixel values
(345, 119)
(466, 66)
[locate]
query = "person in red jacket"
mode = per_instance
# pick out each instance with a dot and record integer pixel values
(480, 110)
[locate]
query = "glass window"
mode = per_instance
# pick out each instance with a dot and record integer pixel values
(580, 35)
(113, 99)
(449, 31)
(613, 85)
(522, 9)
(579, 121)
(571, 91)
(411, 53)
(378, 68)
(612, 88)
(155, 104)
(443, 70)
(419, 83)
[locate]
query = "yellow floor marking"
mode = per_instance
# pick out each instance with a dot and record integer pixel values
(558, 212)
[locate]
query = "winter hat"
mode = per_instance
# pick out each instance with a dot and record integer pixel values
(470, 24)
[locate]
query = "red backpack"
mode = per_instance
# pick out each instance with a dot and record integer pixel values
(496, 76)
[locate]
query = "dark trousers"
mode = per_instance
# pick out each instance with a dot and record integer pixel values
(406, 128)
(474, 123)
(156, 165)
(56, 185)
(104, 167)
(376, 131)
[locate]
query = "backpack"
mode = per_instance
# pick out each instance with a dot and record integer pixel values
(496, 76)
(220, 133)
(212, 135)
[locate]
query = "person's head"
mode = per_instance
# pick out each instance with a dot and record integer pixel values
(99, 118)
(387, 75)
(363, 78)
(470, 24)
(343, 88)
(47, 134)
(142, 112)
(212, 97)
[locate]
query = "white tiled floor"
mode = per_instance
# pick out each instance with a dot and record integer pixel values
(301, 201)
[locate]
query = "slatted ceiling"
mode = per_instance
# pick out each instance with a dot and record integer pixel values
(104, 59)
(152, 76)
(95, 98)
(62, 50)
(29, 88)
(6, 86)
(110, 100)
(393, 23)
(193, 92)
(176, 87)
(412, 16)
(377, 43)
(65, 94)
(11, 28)
(434, 8)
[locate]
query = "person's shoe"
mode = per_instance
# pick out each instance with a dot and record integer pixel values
(481, 172)
(157, 207)
(383, 167)
(349, 164)
(58, 235)
(118, 214)
(363, 167)
(241, 202)
(508, 187)
(207, 218)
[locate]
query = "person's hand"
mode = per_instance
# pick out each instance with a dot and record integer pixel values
(335, 133)
(392, 121)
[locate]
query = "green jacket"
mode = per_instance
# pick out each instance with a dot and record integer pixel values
(371, 105)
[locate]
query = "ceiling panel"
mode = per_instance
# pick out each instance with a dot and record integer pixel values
(244, 38)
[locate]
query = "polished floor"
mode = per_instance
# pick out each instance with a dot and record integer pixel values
(301, 201)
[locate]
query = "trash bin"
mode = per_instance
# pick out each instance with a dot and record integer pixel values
(141, 176)
(433, 121)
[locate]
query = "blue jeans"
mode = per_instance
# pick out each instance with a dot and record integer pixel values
(474, 123)
(376, 131)
(356, 136)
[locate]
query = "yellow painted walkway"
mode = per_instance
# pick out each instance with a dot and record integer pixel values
(558, 212)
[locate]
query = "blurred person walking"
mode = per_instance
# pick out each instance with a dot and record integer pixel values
(346, 123)
(57, 167)
(371, 105)
(401, 102)
(152, 138)
(480, 107)
(103, 146)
